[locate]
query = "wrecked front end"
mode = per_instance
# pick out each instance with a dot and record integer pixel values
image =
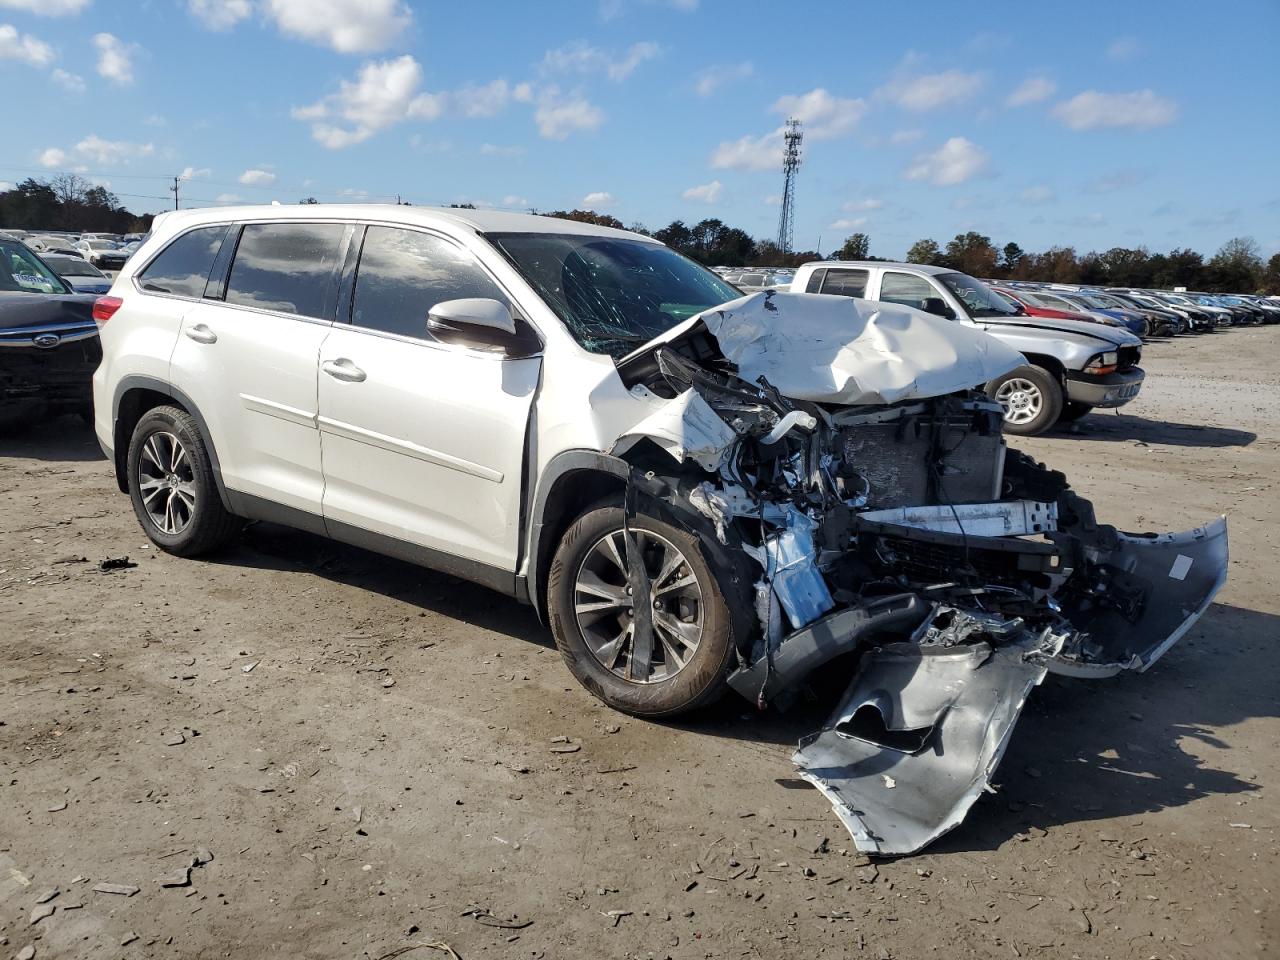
(863, 492)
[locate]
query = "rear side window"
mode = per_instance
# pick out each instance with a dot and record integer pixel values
(403, 274)
(288, 267)
(906, 289)
(182, 269)
(846, 283)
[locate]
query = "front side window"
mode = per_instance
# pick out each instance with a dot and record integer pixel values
(403, 274)
(612, 293)
(846, 283)
(906, 289)
(22, 270)
(182, 268)
(287, 267)
(979, 299)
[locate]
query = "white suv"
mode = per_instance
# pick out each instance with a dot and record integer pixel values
(698, 490)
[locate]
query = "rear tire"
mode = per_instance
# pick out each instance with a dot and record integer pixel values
(1032, 400)
(171, 483)
(588, 603)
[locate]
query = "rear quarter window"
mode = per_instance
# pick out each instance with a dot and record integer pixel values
(182, 268)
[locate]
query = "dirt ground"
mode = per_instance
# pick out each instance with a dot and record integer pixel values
(376, 755)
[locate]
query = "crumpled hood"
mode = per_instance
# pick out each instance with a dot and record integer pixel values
(830, 349)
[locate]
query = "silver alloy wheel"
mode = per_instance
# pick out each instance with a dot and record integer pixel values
(1021, 399)
(605, 609)
(167, 483)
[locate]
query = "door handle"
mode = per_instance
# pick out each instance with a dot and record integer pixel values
(201, 334)
(343, 369)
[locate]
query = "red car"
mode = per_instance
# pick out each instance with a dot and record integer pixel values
(1035, 310)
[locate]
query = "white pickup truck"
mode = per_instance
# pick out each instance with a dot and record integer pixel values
(1072, 366)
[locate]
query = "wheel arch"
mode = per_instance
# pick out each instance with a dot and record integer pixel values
(571, 482)
(134, 397)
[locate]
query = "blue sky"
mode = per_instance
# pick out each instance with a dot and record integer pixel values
(1097, 125)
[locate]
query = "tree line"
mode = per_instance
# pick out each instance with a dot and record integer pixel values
(67, 202)
(1237, 267)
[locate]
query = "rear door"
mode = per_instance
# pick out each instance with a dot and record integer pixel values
(424, 442)
(248, 358)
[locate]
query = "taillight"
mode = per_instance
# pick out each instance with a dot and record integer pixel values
(104, 308)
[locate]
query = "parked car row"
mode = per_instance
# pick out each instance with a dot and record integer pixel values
(1148, 312)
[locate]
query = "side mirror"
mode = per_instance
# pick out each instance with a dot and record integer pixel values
(938, 307)
(480, 323)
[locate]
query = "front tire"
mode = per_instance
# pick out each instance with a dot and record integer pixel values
(1032, 400)
(592, 610)
(171, 484)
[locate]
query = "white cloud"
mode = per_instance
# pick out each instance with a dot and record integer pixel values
(5, 185)
(861, 206)
(1123, 48)
(384, 93)
(230, 198)
(932, 90)
(257, 178)
(115, 58)
(497, 150)
(705, 193)
(773, 200)
(71, 82)
(53, 157)
(512, 200)
(23, 47)
(954, 162)
(1040, 193)
(749, 153)
(354, 193)
(192, 173)
(1031, 90)
(94, 148)
(557, 116)
(823, 115)
(485, 101)
(220, 14)
(600, 200)
(47, 8)
(347, 26)
(713, 78)
(581, 57)
(847, 224)
(1140, 110)
(899, 137)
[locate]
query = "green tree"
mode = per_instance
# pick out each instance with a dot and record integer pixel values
(586, 216)
(1010, 256)
(971, 253)
(925, 251)
(856, 247)
(1058, 265)
(1271, 276)
(1179, 268)
(1236, 267)
(1124, 267)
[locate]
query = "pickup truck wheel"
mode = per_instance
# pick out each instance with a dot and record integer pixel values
(1032, 400)
(171, 484)
(593, 597)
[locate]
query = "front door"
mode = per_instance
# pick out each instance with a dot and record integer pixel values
(423, 442)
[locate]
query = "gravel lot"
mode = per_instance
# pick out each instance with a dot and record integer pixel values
(375, 755)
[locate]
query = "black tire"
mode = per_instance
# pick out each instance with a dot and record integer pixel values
(210, 525)
(702, 678)
(1043, 392)
(1072, 411)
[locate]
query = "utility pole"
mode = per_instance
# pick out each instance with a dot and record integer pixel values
(174, 191)
(790, 164)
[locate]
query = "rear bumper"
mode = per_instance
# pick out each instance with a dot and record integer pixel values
(1113, 390)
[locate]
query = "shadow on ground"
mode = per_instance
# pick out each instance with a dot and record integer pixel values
(62, 439)
(1119, 428)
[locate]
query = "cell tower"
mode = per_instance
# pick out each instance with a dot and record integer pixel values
(790, 164)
